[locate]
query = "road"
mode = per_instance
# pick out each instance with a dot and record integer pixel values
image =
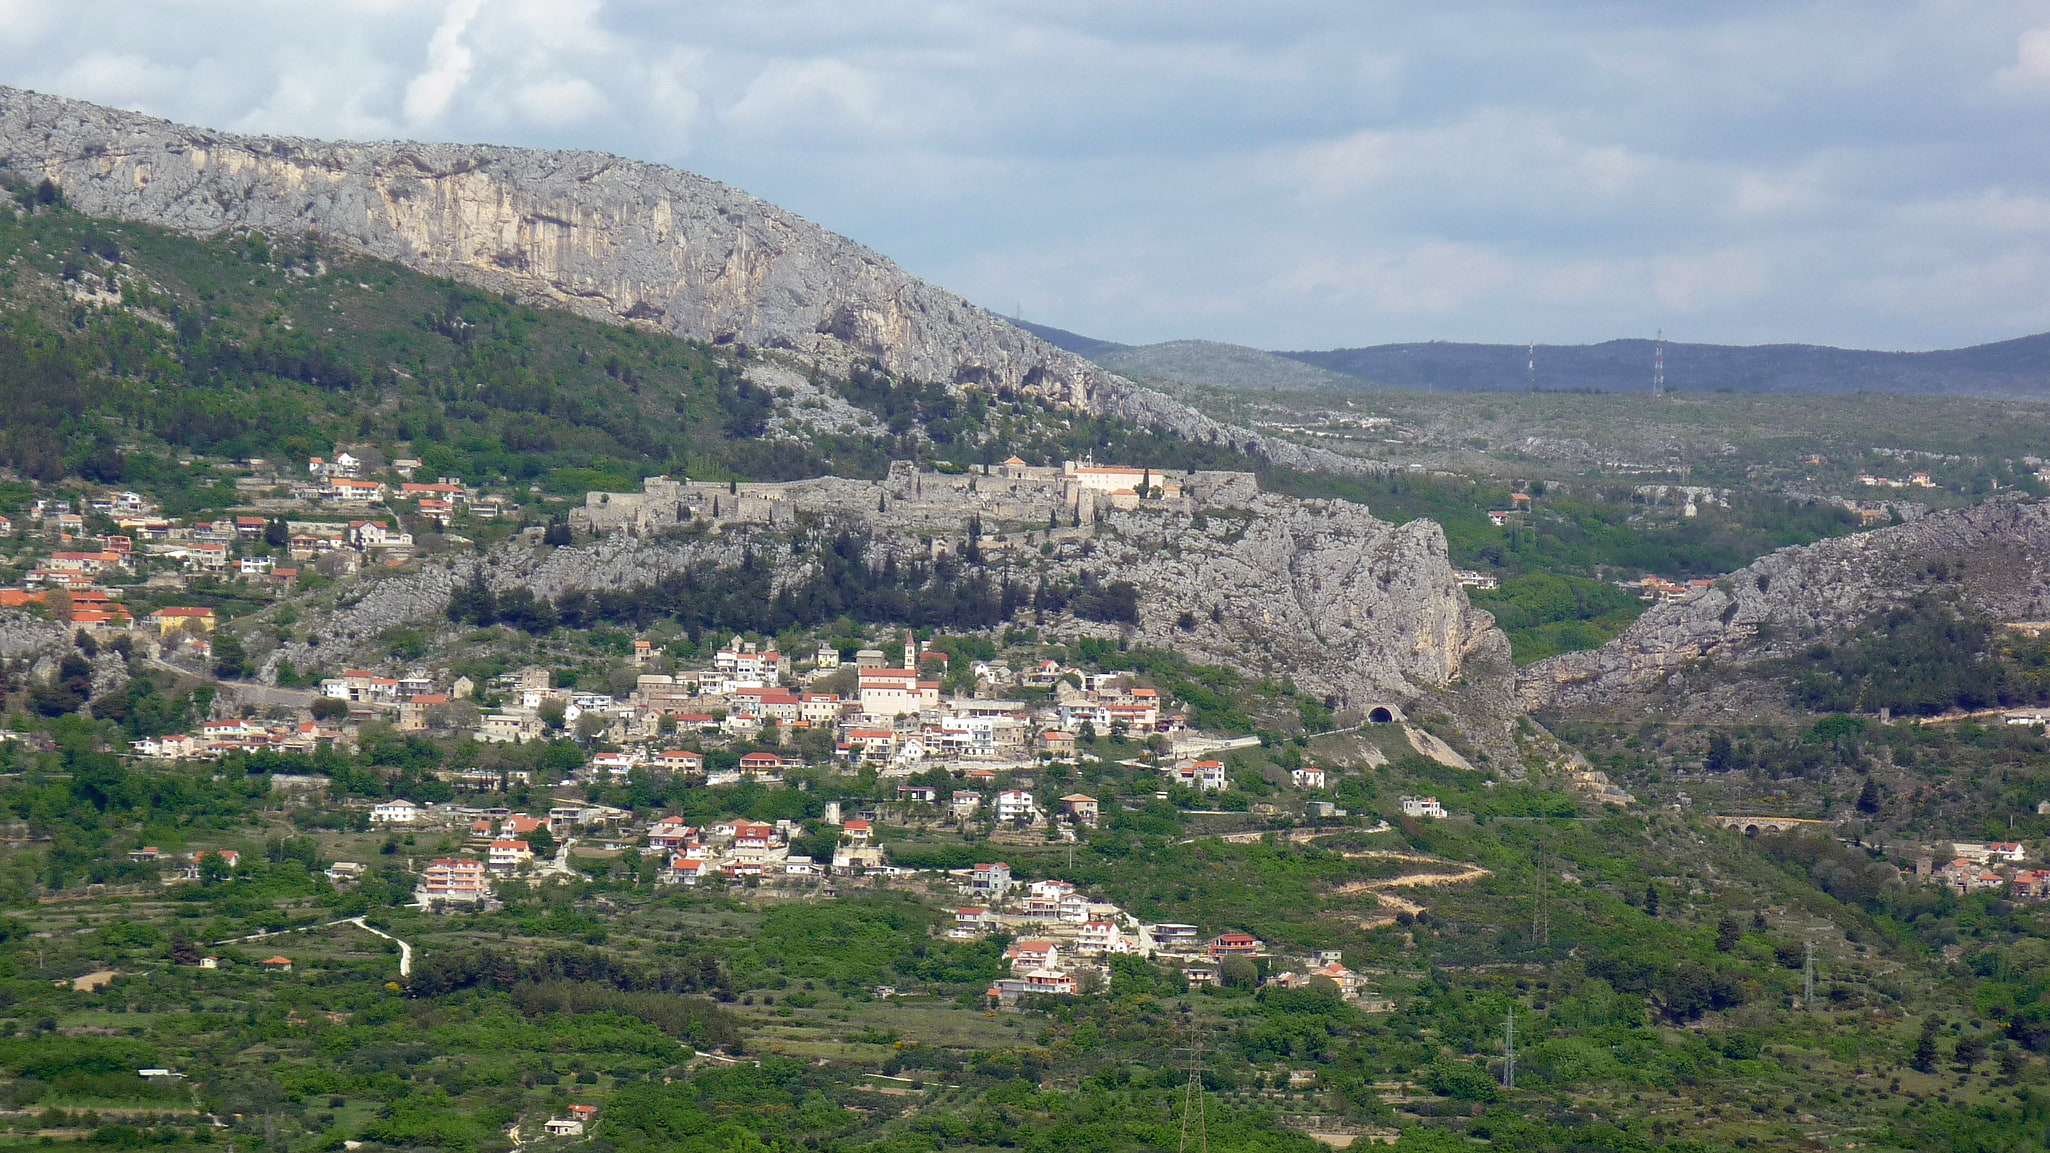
(405, 948)
(560, 864)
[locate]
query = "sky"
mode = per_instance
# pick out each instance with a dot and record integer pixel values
(1285, 174)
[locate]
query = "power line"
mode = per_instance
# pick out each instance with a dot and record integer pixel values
(1808, 972)
(1192, 1102)
(1540, 906)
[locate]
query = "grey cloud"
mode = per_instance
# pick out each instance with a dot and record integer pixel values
(1296, 173)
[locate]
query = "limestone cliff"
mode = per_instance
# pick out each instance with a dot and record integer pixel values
(1319, 592)
(611, 238)
(1994, 558)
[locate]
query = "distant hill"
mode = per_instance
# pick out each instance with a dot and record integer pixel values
(2017, 368)
(2014, 368)
(1073, 342)
(1221, 365)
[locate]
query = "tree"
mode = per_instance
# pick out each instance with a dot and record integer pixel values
(541, 842)
(1868, 797)
(1237, 972)
(1924, 1059)
(1721, 755)
(276, 532)
(551, 712)
(230, 662)
(329, 708)
(1651, 900)
(557, 534)
(1727, 933)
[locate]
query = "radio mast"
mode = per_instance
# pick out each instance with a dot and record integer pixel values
(1658, 365)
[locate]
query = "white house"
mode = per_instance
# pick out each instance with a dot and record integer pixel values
(1016, 805)
(1423, 807)
(399, 812)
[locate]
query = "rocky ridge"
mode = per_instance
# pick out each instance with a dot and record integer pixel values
(1994, 558)
(614, 239)
(1319, 592)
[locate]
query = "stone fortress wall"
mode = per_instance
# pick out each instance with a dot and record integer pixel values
(1009, 494)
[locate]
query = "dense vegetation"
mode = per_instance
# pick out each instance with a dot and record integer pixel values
(123, 346)
(1921, 659)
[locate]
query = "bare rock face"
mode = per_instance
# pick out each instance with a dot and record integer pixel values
(613, 239)
(1316, 592)
(1993, 558)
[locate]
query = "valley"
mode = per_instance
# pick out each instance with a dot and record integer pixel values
(443, 707)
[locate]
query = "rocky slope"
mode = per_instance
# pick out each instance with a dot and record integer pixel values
(1994, 558)
(611, 238)
(1316, 591)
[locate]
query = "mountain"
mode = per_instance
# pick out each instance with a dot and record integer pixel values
(1991, 560)
(1207, 362)
(2011, 368)
(1074, 342)
(607, 237)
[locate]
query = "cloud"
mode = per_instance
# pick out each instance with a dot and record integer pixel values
(449, 61)
(2030, 71)
(1294, 174)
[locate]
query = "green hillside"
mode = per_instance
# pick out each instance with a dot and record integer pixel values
(124, 348)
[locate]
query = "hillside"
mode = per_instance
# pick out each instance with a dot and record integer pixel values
(2012, 368)
(606, 237)
(1209, 363)
(128, 345)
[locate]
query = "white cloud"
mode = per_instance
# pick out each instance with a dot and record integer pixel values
(449, 61)
(2030, 71)
(1295, 174)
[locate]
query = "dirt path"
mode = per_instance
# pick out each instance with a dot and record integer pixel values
(1383, 889)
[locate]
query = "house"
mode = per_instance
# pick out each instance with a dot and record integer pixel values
(1233, 944)
(858, 831)
(1423, 807)
(670, 834)
(1016, 805)
(761, 763)
(170, 620)
(964, 804)
(1081, 809)
(275, 964)
(750, 835)
(1032, 954)
(1308, 777)
(509, 855)
(680, 761)
(399, 812)
(895, 692)
(584, 1112)
(565, 1127)
(2008, 851)
(1098, 937)
(688, 870)
(973, 921)
(456, 880)
(1205, 776)
(992, 879)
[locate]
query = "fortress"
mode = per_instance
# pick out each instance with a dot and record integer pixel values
(1012, 493)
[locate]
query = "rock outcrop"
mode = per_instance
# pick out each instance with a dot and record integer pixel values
(1993, 558)
(1318, 592)
(611, 238)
